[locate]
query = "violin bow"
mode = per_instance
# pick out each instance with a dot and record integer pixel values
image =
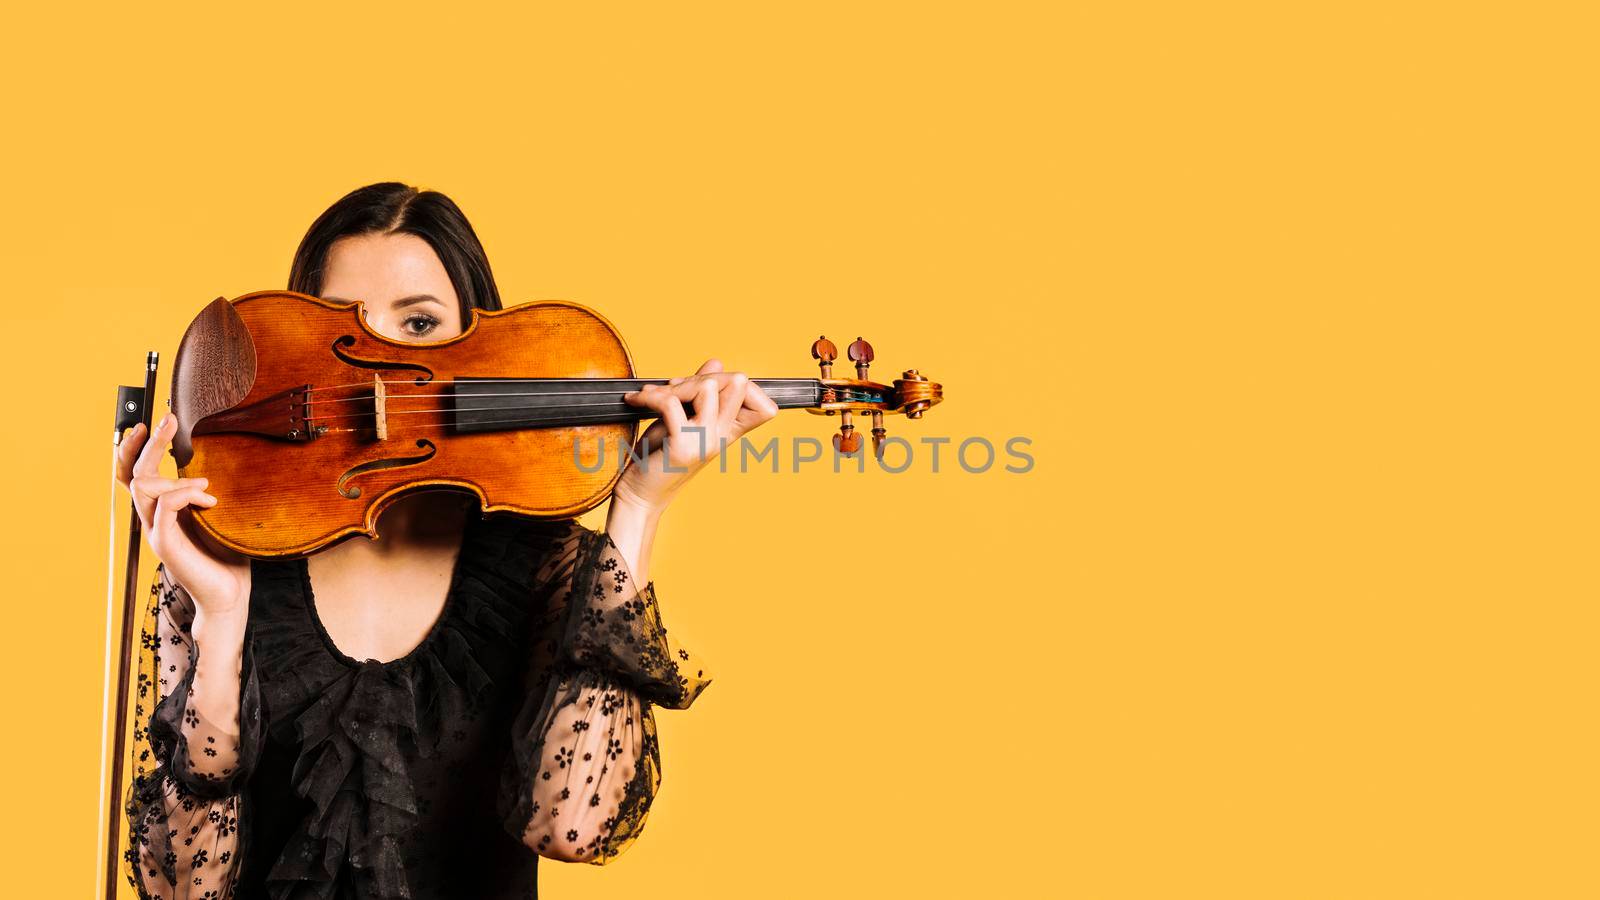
(133, 407)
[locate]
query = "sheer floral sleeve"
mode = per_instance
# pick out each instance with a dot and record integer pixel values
(184, 814)
(584, 765)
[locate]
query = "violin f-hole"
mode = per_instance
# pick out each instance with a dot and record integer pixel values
(353, 492)
(349, 340)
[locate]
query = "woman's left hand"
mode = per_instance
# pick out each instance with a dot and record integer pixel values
(727, 405)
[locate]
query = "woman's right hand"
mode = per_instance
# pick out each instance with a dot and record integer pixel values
(216, 577)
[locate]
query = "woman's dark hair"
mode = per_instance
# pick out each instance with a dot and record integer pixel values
(394, 208)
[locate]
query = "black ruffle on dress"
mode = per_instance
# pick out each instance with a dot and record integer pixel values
(520, 726)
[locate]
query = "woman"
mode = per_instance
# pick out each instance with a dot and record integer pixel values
(423, 714)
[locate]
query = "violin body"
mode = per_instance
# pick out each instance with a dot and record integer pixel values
(283, 340)
(308, 423)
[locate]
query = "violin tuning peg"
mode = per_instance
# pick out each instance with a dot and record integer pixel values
(825, 353)
(848, 440)
(861, 354)
(878, 433)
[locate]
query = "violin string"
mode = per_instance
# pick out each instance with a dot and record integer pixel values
(519, 420)
(391, 396)
(337, 387)
(414, 381)
(787, 392)
(643, 411)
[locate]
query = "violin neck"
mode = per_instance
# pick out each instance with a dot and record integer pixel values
(505, 404)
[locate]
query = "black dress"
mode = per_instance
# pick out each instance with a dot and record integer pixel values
(520, 726)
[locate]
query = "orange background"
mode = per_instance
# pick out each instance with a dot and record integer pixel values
(1296, 302)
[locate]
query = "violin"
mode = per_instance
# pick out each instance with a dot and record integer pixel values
(308, 423)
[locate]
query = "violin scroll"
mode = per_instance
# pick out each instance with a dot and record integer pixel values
(916, 393)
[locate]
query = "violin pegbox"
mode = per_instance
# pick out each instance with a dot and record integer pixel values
(911, 394)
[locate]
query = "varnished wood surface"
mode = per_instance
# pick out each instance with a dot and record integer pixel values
(281, 499)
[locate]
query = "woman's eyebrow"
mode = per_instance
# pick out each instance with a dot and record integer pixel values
(412, 300)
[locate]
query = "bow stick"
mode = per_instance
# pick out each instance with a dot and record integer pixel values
(133, 407)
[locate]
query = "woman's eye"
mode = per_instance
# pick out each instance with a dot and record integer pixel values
(419, 325)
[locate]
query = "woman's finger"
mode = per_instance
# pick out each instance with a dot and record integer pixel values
(688, 387)
(705, 403)
(672, 412)
(758, 408)
(732, 397)
(167, 507)
(665, 403)
(148, 490)
(651, 440)
(128, 451)
(761, 406)
(149, 462)
(151, 487)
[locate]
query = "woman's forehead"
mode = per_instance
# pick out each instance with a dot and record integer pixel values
(391, 269)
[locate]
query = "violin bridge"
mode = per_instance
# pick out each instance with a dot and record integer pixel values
(380, 414)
